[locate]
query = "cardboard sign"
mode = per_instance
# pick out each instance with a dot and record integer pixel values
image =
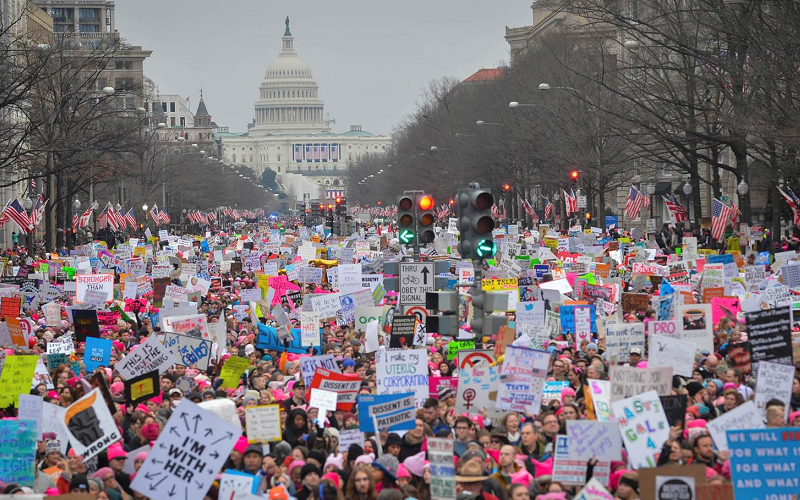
(403, 329)
(670, 482)
(635, 302)
(697, 325)
(621, 338)
(395, 411)
(148, 356)
(627, 381)
(569, 470)
(188, 453)
(263, 423)
(668, 351)
(644, 427)
(90, 426)
(309, 365)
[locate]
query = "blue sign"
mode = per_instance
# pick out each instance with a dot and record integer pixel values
(268, 339)
(762, 259)
(568, 318)
(720, 259)
(365, 401)
(97, 353)
(764, 462)
(612, 220)
(541, 270)
(18, 451)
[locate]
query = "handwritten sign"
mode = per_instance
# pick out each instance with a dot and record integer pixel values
(18, 452)
(148, 356)
(627, 381)
(188, 351)
(644, 427)
(16, 378)
(232, 371)
(263, 423)
(589, 439)
(403, 371)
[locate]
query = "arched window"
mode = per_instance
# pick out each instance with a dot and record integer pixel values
(279, 157)
(336, 182)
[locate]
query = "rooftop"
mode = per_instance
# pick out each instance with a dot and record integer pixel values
(486, 74)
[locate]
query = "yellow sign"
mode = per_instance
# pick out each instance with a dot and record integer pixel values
(490, 285)
(140, 251)
(232, 370)
(142, 388)
(263, 284)
(706, 251)
(16, 379)
(551, 241)
(263, 423)
(624, 240)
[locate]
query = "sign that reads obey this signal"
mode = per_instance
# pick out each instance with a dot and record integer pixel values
(416, 279)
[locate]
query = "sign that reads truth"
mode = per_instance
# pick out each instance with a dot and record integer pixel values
(187, 455)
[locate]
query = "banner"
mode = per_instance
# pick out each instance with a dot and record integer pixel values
(774, 454)
(18, 452)
(100, 282)
(346, 386)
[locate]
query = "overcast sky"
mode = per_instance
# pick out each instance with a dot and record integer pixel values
(370, 58)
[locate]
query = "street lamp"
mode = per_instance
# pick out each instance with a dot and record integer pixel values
(145, 207)
(632, 44)
(76, 204)
(742, 188)
(481, 122)
(513, 104)
(651, 190)
(544, 86)
(118, 207)
(194, 146)
(161, 125)
(687, 189)
(202, 152)
(108, 90)
(141, 110)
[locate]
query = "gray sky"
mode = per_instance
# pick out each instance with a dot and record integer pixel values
(370, 58)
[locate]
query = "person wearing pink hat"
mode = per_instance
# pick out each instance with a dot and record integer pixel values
(403, 476)
(116, 461)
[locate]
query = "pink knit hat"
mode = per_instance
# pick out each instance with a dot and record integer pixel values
(415, 463)
(366, 459)
(403, 472)
(241, 444)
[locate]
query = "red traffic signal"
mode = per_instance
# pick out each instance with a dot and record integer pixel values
(574, 174)
(338, 200)
(451, 202)
(330, 206)
(425, 202)
(506, 187)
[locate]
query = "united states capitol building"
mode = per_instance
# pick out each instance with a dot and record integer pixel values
(292, 136)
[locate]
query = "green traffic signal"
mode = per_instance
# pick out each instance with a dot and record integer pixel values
(486, 248)
(406, 236)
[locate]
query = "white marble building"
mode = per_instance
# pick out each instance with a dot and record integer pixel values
(291, 134)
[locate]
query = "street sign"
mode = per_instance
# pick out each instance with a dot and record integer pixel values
(581, 201)
(416, 279)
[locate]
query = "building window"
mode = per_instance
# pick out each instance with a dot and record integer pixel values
(172, 106)
(183, 121)
(234, 158)
(279, 169)
(279, 157)
(251, 158)
(88, 28)
(171, 121)
(164, 106)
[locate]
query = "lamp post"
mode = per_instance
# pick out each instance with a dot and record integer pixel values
(651, 190)
(687, 191)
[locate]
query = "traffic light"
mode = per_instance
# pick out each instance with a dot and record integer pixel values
(475, 223)
(574, 176)
(405, 219)
(426, 219)
(506, 187)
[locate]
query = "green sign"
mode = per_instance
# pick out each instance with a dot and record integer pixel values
(406, 236)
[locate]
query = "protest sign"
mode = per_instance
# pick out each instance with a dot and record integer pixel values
(674, 409)
(477, 388)
(344, 385)
(600, 391)
(350, 437)
(670, 328)
(16, 378)
(232, 371)
(30, 408)
(454, 346)
(309, 365)
(101, 282)
(10, 306)
(188, 351)
(697, 325)
(744, 416)
(188, 453)
(589, 439)
(148, 356)
(552, 390)
(621, 338)
(263, 423)
(669, 351)
(323, 400)
(18, 452)
(396, 405)
(403, 329)
(572, 471)
(593, 490)
(309, 327)
(671, 482)
(403, 371)
(194, 325)
(627, 381)
(97, 353)
(644, 427)
(522, 377)
(90, 426)
(770, 335)
(86, 324)
(142, 387)
(443, 481)
(774, 381)
(236, 485)
(764, 462)
(40, 375)
(715, 491)
(435, 384)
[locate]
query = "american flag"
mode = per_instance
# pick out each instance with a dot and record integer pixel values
(154, 215)
(528, 208)
(735, 212)
(111, 218)
(675, 208)
(75, 218)
(634, 203)
(794, 204)
(549, 209)
(165, 217)
(38, 210)
(102, 220)
(720, 215)
(120, 217)
(130, 219)
(571, 202)
(16, 213)
(86, 217)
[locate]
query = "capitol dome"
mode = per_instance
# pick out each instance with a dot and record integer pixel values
(289, 97)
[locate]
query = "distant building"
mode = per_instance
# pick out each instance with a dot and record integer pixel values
(292, 136)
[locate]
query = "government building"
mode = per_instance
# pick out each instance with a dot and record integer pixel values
(291, 135)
